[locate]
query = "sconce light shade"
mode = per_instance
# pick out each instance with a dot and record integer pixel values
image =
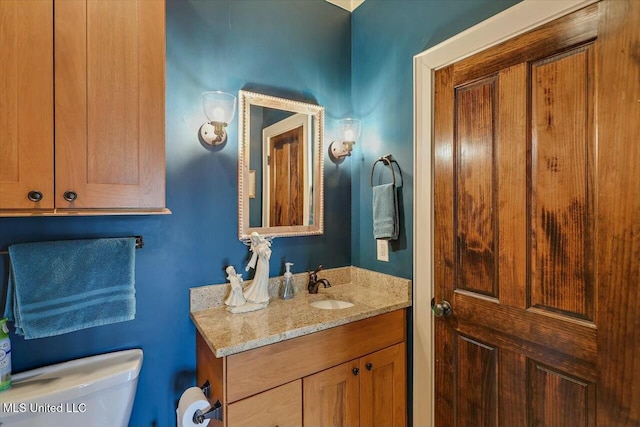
(220, 109)
(349, 133)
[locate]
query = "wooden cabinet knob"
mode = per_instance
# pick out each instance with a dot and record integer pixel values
(70, 196)
(34, 196)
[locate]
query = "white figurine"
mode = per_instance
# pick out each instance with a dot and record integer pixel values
(235, 298)
(258, 291)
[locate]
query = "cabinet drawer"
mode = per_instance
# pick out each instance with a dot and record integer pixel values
(260, 369)
(281, 406)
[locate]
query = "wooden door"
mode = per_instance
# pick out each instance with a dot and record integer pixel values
(383, 388)
(286, 179)
(109, 103)
(536, 226)
(331, 398)
(281, 406)
(26, 104)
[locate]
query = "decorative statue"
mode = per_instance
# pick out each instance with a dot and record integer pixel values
(256, 295)
(258, 291)
(235, 298)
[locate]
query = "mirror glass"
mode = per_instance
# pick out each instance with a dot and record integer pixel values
(280, 166)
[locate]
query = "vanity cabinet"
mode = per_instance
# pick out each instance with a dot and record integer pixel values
(370, 391)
(89, 76)
(310, 380)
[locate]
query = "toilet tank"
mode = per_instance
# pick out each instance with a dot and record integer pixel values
(96, 391)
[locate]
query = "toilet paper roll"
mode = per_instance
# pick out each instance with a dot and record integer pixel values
(191, 400)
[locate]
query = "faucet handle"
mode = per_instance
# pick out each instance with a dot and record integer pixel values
(318, 269)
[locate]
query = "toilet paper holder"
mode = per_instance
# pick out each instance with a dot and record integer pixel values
(215, 413)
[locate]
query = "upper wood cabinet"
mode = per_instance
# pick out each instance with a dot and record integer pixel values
(108, 104)
(26, 104)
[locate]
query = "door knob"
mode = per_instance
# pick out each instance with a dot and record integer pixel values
(442, 309)
(369, 366)
(355, 371)
(70, 196)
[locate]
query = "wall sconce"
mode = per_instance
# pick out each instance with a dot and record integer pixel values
(349, 132)
(220, 108)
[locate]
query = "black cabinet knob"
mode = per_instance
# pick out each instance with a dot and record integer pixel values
(34, 196)
(355, 371)
(369, 366)
(70, 196)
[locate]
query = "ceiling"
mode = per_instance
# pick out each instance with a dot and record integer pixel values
(349, 5)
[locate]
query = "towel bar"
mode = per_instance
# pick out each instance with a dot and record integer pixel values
(387, 160)
(139, 245)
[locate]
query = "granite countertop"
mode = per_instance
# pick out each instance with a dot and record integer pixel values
(371, 293)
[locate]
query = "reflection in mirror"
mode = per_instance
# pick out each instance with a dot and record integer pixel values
(280, 166)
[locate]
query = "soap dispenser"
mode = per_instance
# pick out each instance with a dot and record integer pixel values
(287, 289)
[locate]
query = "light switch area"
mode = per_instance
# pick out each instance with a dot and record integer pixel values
(383, 250)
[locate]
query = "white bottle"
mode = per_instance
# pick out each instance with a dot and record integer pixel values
(5, 356)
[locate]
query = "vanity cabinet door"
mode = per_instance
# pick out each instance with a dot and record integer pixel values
(109, 104)
(331, 397)
(383, 388)
(281, 406)
(26, 104)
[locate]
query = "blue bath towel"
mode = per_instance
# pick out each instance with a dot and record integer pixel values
(64, 286)
(385, 212)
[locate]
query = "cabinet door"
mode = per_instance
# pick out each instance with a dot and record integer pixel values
(26, 103)
(109, 103)
(383, 388)
(281, 406)
(331, 397)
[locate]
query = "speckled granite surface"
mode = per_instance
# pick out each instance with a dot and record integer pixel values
(372, 293)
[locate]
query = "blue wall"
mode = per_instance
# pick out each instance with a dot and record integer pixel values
(386, 35)
(292, 48)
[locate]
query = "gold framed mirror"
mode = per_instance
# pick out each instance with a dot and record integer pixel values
(280, 166)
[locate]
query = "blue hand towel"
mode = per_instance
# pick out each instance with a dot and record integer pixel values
(385, 212)
(64, 286)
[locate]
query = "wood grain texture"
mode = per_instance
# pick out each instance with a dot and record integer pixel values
(443, 243)
(475, 218)
(383, 400)
(281, 406)
(548, 39)
(26, 103)
(562, 146)
(476, 377)
(618, 207)
(286, 179)
(332, 397)
(112, 92)
(483, 349)
(253, 371)
(511, 146)
(559, 400)
(212, 369)
(110, 103)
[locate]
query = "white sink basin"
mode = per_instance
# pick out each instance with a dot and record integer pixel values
(331, 304)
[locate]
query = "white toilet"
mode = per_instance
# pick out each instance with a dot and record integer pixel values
(96, 391)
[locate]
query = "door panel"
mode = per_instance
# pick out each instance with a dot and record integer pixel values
(287, 179)
(562, 182)
(26, 103)
(382, 388)
(332, 397)
(548, 386)
(515, 230)
(109, 103)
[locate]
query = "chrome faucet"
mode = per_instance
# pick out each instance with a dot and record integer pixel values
(314, 282)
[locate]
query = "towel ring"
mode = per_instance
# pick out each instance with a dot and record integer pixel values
(387, 161)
